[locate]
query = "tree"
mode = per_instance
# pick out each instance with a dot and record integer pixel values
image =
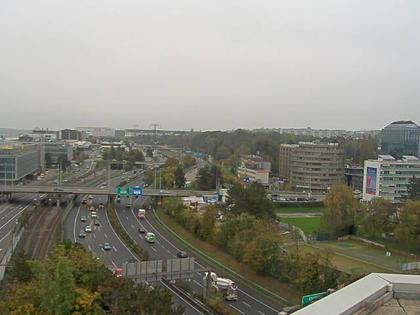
(339, 211)
(374, 219)
(413, 188)
(179, 177)
(408, 231)
(149, 152)
(208, 177)
(251, 199)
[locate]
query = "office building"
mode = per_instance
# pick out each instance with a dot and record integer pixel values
(388, 177)
(71, 134)
(286, 151)
(354, 177)
(56, 151)
(401, 138)
(19, 160)
(316, 166)
(254, 169)
(43, 135)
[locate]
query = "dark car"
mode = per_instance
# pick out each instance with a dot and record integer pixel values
(142, 230)
(182, 254)
(97, 223)
(82, 234)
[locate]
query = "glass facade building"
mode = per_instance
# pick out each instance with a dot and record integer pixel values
(18, 161)
(401, 138)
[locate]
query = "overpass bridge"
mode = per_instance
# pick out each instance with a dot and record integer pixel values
(77, 190)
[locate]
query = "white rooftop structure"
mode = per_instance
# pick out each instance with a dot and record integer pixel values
(373, 294)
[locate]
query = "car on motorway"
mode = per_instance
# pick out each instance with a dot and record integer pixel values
(83, 218)
(90, 197)
(182, 254)
(142, 230)
(101, 206)
(88, 229)
(107, 246)
(92, 208)
(150, 237)
(97, 223)
(82, 234)
(84, 201)
(93, 215)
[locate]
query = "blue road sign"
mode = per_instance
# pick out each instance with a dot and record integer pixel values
(137, 190)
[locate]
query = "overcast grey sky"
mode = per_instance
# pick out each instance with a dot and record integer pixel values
(215, 64)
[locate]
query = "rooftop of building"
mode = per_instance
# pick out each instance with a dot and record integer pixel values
(377, 293)
(14, 147)
(390, 158)
(318, 143)
(402, 123)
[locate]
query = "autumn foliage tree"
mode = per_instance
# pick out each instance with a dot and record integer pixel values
(339, 211)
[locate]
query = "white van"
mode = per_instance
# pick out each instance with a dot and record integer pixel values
(141, 214)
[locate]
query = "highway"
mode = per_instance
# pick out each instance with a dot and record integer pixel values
(9, 214)
(94, 241)
(166, 248)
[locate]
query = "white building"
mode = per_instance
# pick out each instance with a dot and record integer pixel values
(97, 131)
(389, 178)
(254, 169)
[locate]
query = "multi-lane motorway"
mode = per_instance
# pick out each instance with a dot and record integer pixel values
(164, 248)
(9, 214)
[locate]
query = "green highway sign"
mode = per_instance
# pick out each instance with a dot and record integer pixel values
(308, 299)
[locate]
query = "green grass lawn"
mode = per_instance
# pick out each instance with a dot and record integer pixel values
(308, 225)
(298, 209)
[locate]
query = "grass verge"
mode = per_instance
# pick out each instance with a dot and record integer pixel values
(298, 209)
(221, 260)
(308, 225)
(128, 241)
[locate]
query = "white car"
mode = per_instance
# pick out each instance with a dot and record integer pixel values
(93, 215)
(88, 229)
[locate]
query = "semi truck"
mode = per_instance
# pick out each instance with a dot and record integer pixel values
(225, 286)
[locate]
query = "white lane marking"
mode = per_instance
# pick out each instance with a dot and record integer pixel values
(127, 218)
(132, 226)
(90, 248)
(197, 283)
(106, 236)
(261, 313)
(250, 296)
(114, 248)
(154, 249)
(246, 304)
(13, 217)
(180, 297)
(75, 222)
(7, 234)
(237, 309)
(94, 236)
(109, 223)
(163, 246)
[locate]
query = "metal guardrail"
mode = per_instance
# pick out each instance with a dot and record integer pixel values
(272, 296)
(198, 304)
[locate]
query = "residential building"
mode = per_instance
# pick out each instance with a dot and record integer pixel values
(120, 134)
(388, 177)
(98, 132)
(56, 151)
(316, 166)
(401, 138)
(286, 151)
(43, 135)
(19, 160)
(71, 134)
(254, 169)
(376, 294)
(354, 177)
